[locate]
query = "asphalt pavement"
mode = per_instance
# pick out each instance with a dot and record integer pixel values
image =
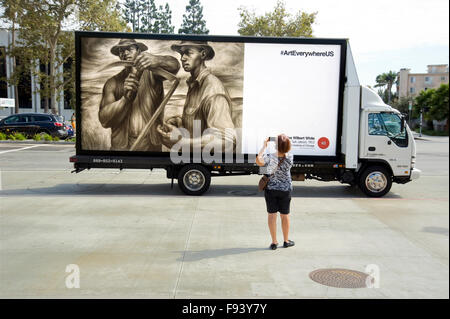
(130, 235)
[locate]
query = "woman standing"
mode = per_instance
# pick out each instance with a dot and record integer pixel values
(279, 187)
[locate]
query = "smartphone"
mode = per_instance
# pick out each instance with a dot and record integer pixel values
(272, 139)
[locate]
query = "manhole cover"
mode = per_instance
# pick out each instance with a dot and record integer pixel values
(242, 193)
(340, 278)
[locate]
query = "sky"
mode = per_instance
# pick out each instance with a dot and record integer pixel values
(384, 34)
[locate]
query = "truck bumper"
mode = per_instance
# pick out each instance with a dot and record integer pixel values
(415, 174)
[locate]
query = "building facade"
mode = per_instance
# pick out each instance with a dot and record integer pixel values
(29, 97)
(410, 84)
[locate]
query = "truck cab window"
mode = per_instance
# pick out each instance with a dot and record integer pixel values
(390, 125)
(375, 126)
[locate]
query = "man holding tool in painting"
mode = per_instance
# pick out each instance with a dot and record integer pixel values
(131, 97)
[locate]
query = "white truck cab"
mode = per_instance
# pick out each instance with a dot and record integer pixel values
(378, 145)
(387, 148)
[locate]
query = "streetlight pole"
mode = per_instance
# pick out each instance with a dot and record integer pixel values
(420, 123)
(410, 112)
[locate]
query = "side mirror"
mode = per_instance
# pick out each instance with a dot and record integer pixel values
(403, 123)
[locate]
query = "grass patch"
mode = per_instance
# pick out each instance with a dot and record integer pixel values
(2, 136)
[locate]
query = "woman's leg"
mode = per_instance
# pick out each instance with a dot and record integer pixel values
(285, 223)
(272, 221)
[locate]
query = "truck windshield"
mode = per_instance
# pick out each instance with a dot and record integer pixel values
(390, 125)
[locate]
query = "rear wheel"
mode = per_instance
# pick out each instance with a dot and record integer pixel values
(194, 179)
(375, 181)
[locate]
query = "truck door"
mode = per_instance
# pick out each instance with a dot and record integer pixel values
(387, 139)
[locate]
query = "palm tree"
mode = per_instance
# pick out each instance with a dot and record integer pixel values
(387, 79)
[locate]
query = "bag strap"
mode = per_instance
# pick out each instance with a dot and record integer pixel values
(278, 166)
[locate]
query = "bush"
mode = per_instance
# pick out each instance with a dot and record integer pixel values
(56, 138)
(47, 137)
(2, 136)
(431, 132)
(37, 137)
(19, 137)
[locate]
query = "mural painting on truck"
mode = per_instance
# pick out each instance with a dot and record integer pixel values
(136, 91)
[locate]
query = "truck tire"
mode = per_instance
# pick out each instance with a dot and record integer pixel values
(194, 179)
(375, 181)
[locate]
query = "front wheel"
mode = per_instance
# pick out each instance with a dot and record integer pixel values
(375, 181)
(194, 179)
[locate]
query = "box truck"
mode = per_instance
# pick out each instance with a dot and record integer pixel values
(202, 106)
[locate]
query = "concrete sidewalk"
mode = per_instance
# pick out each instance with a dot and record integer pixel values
(133, 236)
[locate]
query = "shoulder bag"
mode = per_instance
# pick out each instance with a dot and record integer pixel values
(265, 179)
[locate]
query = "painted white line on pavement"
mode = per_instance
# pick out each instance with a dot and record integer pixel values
(19, 149)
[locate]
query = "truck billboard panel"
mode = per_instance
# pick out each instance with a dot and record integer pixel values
(135, 89)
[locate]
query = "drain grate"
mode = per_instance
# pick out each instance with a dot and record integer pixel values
(340, 278)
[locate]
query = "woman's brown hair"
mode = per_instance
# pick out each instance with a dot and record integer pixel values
(283, 143)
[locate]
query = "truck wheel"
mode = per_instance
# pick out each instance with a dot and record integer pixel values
(194, 179)
(375, 181)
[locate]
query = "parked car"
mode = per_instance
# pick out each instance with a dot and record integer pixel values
(30, 124)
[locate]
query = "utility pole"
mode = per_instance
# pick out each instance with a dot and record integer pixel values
(410, 112)
(420, 123)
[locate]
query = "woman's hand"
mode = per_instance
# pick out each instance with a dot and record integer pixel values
(259, 159)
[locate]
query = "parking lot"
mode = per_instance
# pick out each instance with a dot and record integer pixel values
(131, 235)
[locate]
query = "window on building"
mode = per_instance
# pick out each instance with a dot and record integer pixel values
(69, 87)
(443, 78)
(412, 90)
(428, 79)
(413, 79)
(24, 86)
(44, 94)
(3, 84)
(433, 69)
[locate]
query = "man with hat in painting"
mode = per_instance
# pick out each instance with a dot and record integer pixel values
(207, 100)
(131, 97)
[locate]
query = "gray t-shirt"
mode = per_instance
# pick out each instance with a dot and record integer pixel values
(281, 180)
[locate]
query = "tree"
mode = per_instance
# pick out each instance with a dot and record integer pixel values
(130, 13)
(149, 21)
(45, 37)
(278, 23)
(439, 107)
(422, 105)
(193, 22)
(402, 104)
(165, 19)
(387, 79)
(97, 15)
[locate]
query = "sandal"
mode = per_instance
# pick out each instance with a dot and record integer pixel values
(288, 244)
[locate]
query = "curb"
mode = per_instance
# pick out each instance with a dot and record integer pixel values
(37, 142)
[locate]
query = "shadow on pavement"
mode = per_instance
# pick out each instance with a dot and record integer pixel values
(111, 189)
(214, 253)
(436, 230)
